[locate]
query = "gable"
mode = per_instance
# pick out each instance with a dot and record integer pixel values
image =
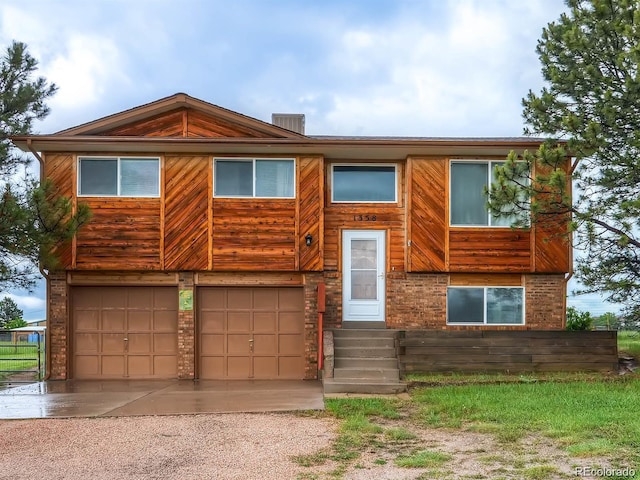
(179, 116)
(185, 122)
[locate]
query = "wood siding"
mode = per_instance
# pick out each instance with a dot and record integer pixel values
(253, 234)
(186, 196)
(60, 170)
(502, 350)
(183, 122)
(311, 212)
(427, 214)
(552, 248)
(489, 250)
(123, 234)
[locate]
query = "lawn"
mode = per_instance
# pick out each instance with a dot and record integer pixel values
(492, 429)
(629, 343)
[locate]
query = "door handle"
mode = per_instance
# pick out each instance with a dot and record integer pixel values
(251, 344)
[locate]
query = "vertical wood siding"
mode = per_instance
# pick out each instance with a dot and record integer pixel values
(310, 212)
(186, 196)
(427, 214)
(123, 234)
(59, 169)
(253, 234)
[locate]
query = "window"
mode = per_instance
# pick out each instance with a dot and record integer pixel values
(485, 305)
(468, 201)
(119, 177)
(364, 183)
(254, 177)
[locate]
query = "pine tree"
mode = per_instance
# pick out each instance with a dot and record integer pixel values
(32, 219)
(591, 100)
(9, 312)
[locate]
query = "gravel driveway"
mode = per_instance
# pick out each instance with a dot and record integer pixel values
(223, 446)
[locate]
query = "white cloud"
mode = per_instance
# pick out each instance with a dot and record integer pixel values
(32, 306)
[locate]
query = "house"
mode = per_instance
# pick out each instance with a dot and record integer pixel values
(211, 232)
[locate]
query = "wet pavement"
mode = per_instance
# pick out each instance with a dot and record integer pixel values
(122, 398)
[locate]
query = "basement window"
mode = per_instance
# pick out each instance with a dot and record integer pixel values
(364, 184)
(118, 177)
(485, 305)
(254, 177)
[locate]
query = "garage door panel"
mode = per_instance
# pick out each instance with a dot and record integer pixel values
(289, 344)
(265, 299)
(212, 344)
(265, 344)
(238, 344)
(87, 342)
(139, 366)
(112, 297)
(230, 317)
(87, 320)
(103, 317)
(290, 322)
(265, 321)
(140, 320)
(112, 366)
(87, 365)
(265, 367)
(112, 343)
(212, 368)
(290, 299)
(113, 320)
(238, 367)
(212, 322)
(239, 299)
(290, 367)
(164, 321)
(239, 321)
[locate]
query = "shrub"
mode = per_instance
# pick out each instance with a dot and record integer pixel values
(577, 320)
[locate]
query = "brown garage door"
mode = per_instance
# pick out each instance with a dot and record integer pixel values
(251, 333)
(124, 332)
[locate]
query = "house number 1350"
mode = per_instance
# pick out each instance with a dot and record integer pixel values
(364, 218)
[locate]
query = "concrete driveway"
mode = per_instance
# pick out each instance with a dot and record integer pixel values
(122, 398)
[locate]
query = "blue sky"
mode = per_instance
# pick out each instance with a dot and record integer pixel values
(359, 67)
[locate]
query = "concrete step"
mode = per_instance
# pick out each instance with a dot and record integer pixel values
(364, 342)
(364, 362)
(388, 374)
(365, 351)
(332, 385)
(371, 332)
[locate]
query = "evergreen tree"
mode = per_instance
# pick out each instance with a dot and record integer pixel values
(33, 220)
(591, 102)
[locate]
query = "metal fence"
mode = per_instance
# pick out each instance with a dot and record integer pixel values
(22, 356)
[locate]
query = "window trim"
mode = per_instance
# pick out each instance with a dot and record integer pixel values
(253, 161)
(487, 161)
(395, 183)
(484, 313)
(118, 159)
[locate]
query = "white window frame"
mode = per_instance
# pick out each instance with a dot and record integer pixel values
(488, 162)
(484, 312)
(395, 183)
(118, 160)
(253, 161)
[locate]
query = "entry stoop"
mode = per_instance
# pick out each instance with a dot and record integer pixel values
(365, 361)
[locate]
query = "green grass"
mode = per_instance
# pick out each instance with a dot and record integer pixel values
(18, 357)
(629, 343)
(585, 417)
(422, 459)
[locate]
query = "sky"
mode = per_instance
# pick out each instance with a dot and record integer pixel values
(454, 68)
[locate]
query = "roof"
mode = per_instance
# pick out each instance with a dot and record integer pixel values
(262, 138)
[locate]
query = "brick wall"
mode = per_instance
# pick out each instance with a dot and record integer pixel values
(186, 331)
(57, 325)
(545, 295)
(311, 281)
(416, 300)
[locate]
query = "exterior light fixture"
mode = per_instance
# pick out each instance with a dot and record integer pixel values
(308, 239)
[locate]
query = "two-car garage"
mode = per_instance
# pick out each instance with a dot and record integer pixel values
(241, 332)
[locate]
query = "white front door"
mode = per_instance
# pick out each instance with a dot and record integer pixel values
(363, 273)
